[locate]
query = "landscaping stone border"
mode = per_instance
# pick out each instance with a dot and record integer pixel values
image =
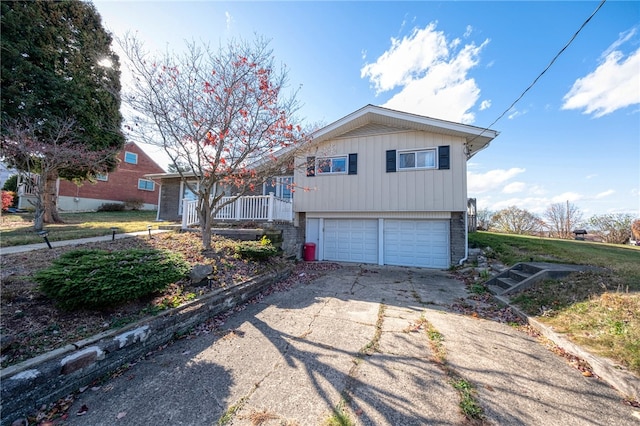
(39, 381)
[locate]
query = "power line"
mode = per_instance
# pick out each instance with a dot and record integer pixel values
(543, 71)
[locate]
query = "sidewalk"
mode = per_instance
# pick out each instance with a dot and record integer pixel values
(54, 244)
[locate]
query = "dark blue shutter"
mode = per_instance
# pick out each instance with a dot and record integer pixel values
(443, 157)
(353, 164)
(311, 166)
(391, 160)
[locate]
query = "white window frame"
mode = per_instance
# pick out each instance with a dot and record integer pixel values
(331, 159)
(283, 185)
(183, 189)
(153, 185)
(415, 152)
(129, 153)
(102, 177)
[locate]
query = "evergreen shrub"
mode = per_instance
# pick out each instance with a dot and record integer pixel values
(95, 279)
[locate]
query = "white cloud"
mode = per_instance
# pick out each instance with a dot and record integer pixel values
(514, 187)
(566, 196)
(591, 176)
(485, 104)
(613, 85)
(605, 193)
(229, 20)
(431, 73)
(468, 31)
(482, 182)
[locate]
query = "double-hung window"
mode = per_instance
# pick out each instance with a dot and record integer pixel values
(422, 159)
(146, 185)
(104, 177)
(331, 165)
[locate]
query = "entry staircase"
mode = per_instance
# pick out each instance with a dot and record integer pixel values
(524, 275)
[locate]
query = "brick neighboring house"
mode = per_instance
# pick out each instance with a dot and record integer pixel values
(126, 183)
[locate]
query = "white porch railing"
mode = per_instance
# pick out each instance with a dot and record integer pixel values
(253, 207)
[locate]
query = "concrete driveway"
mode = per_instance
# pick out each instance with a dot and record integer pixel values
(351, 340)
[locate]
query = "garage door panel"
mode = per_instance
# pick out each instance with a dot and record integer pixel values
(351, 240)
(422, 243)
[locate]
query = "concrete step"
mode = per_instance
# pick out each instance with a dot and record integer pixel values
(519, 275)
(506, 282)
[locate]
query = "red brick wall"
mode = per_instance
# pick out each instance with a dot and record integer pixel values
(122, 183)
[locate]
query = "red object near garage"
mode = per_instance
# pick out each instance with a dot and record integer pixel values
(309, 252)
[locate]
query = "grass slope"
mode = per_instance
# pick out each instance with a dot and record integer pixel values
(598, 310)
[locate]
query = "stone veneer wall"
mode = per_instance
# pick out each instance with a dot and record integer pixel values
(45, 379)
(457, 239)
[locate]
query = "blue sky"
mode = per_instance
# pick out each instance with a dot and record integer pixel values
(574, 136)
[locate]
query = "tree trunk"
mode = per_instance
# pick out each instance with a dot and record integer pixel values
(204, 211)
(50, 199)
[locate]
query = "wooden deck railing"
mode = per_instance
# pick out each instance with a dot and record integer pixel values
(254, 207)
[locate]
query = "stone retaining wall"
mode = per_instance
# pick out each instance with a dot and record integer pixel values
(45, 379)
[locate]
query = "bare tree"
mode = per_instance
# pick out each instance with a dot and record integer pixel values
(24, 148)
(484, 217)
(612, 228)
(562, 219)
(221, 114)
(513, 220)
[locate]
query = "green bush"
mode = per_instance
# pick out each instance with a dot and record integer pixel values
(99, 278)
(111, 207)
(256, 250)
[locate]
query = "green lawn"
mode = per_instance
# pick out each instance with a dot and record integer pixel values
(17, 229)
(598, 310)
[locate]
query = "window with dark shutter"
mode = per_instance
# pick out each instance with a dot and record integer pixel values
(311, 166)
(391, 160)
(353, 164)
(443, 157)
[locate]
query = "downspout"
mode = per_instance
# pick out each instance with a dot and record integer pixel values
(159, 199)
(466, 239)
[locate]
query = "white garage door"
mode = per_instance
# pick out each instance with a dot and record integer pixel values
(423, 243)
(351, 240)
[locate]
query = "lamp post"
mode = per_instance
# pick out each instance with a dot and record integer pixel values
(149, 229)
(44, 234)
(113, 233)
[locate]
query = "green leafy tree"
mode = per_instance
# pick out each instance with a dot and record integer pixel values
(59, 78)
(513, 220)
(613, 228)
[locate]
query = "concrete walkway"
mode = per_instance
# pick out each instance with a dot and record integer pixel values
(54, 244)
(352, 340)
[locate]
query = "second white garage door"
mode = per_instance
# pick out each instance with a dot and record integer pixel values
(423, 243)
(351, 240)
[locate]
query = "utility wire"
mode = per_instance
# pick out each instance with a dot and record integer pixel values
(543, 71)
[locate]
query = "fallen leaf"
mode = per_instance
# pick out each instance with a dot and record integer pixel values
(121, 415)
(83, 410)
(587, 373)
